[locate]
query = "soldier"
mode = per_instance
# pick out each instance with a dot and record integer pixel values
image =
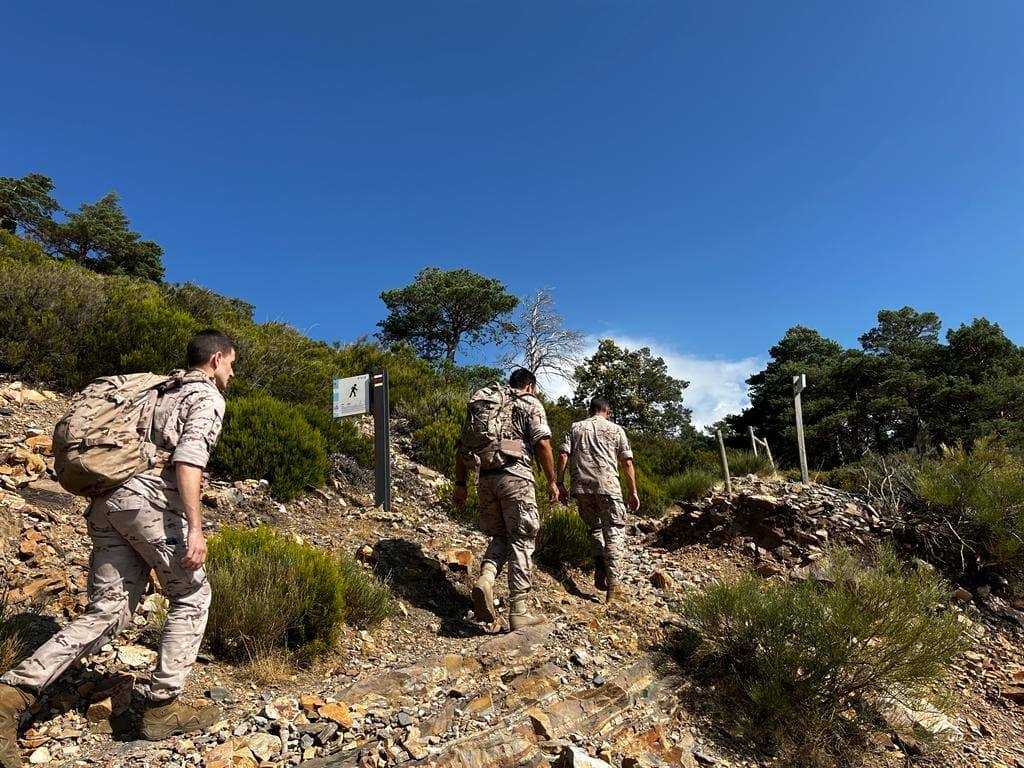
(593, 449)
(153, 521)
(505, 428)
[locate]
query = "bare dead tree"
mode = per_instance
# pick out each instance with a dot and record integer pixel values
(540, 341)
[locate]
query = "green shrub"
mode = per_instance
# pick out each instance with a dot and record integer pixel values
(266, 438)
(340, 435)
(138, 331)
(806, 665)
(690, 485)
(434, 445)
(742, 463)
(563, 538)
(368, 601)
(47, 312)
(654, 497)
(469, 513)
(984, 485)
(271, 593)
(13, 641)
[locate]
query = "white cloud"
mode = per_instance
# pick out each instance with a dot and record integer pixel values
(717, 386)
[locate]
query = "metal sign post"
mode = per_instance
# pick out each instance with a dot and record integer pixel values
(359, 395)
(799, 385)
(381, 441)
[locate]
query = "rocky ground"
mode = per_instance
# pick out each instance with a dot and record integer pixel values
(430, 687)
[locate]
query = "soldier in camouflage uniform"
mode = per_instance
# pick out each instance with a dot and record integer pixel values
(594, 448)
(508, 506)
(153, 521)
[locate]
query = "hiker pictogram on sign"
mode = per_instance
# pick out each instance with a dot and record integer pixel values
(352, 396)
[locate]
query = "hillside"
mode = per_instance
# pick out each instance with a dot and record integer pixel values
(428, 687)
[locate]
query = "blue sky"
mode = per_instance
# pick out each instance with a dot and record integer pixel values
(697, 176)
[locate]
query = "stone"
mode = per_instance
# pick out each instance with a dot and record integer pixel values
(581, 657)
(100, 710)
(542, 725)
(265, 745)
(574, 757)
(404, 719)
(481, 706)
(365, 554)
(962, 595)
(459, 560)
(135, 656)
(41, 444)
(40, 757)
(217, 693)
(661, 580)
(412, 744)
(1014, 692)
(310, 702)
(337, 712)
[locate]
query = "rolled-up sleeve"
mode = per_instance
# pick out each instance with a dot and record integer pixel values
(624, 451)
(537, 428)
(201, 428)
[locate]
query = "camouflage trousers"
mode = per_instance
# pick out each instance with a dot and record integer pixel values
(509, 515)
(605, 518)
(130, 535)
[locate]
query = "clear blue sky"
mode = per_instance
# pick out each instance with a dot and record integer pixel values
(701, 175)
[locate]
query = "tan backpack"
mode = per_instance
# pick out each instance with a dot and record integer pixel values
(104, 440)
(486, 439)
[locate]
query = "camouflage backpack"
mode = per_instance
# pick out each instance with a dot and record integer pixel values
(104, 440)
(487, 433)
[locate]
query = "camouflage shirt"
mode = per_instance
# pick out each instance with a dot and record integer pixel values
(595, 447)
(186, 425)
(529, 424)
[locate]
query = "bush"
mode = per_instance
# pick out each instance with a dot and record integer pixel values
(654, 497)
(13, 643)
(271, 593)
(986, 486)
(266, 438)
(690, 485)
(743, 463)
(137, 331)
(46, 312)
(340, 435)
(809, 665)
(563, 538)
(368, 601)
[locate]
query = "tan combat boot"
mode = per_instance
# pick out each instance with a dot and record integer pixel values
(163, 719)
(615, 593)
(13, 703)
(518, 615)
(483, 594)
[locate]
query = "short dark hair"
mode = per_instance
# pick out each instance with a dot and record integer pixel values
(521, 379)
(599, 404)
(205, 344)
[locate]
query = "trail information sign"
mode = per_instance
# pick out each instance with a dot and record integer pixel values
(352, 396)
(356, 396)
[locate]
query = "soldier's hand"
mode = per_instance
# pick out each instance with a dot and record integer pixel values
(563, 495)
(634, 502)
(554, 495)
(459, 495)
(195, 555)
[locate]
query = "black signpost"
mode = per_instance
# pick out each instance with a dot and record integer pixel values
(357, 396)
(381, 440)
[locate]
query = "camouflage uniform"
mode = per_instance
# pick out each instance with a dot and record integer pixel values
(508, 503)
(595, 446)
(135, 528)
